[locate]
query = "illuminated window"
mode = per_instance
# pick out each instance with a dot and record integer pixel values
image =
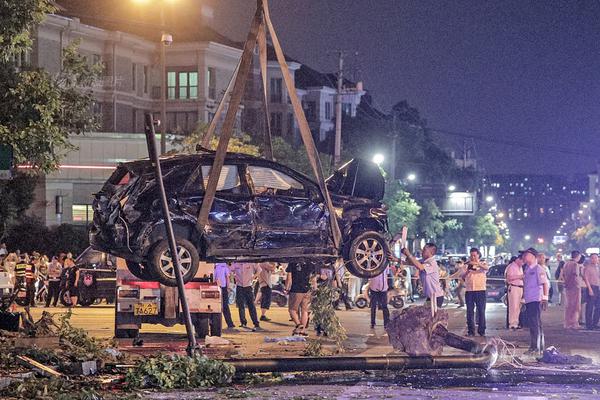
(182, 85)
(82, 213)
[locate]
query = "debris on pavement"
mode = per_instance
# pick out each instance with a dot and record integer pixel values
(552, 356)
(411, 331)
(287, 339)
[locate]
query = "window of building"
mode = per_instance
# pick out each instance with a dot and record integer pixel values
(171, 85)
(290, 124)
(134, 120)
(97, 108)
(347, 108)
(311, 110)
(182, 85)
(82, 213)
(146, 79)
(327, 110)
(22, 59)
(276, 93)
(96, 59)
(133, 75)
(276, 124)
(211, 83)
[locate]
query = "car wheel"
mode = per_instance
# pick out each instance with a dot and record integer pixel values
(162, 267)
(139, 270)
(361, 302)
(216, 323)
(397, 302)
(86, 301)
(201, 325)
(367, 255)
(126, 333)
(65, 298)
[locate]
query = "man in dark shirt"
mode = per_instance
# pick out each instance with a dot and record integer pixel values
(297, 283)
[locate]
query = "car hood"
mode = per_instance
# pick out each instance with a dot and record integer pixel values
(358, 178)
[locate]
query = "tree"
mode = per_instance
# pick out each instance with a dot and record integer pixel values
(403, 210)
(297, 159)
(237, 144)
(431, 223)
(486, 231)
(38, 112)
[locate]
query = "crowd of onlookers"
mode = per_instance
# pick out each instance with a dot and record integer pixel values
(41, 278)
(528, 278)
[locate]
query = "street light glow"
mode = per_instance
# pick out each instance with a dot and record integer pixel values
(452, 188)
(411, 177)
(378, 158)
(489, 199)
(527, 237)
(500, 215)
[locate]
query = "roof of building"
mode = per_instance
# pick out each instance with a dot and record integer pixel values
(307, 77)
(144, 21)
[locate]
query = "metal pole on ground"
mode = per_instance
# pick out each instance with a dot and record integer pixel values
(153, 154)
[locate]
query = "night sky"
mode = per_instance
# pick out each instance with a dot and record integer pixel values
(517, 71)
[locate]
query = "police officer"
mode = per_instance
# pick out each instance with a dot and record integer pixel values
(30, 278)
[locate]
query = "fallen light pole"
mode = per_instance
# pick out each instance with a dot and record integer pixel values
(484, 360)
(153, 154)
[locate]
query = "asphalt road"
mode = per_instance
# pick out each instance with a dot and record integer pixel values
(534, 382)
(98, 321)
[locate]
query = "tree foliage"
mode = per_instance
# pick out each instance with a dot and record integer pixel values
(486, 231)
(403, 210)
(30, 234)
(19, 17)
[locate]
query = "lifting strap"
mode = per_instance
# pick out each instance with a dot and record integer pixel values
(309, 143)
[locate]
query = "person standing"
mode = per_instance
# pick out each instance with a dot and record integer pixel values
(265, 284)
(378, 287)
(559, 285)
(535, 294)
(222, 274)
(30, 278)
(572, 292)
(429, 274)
(244, 295)
(514, 282)
(460, 283)
(71, 277)
(54, 273)
(297, 283)
(475, 285)
(591, 276)
(21, 267)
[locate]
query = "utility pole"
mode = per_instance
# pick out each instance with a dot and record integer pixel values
(164, 42)
(337, 152)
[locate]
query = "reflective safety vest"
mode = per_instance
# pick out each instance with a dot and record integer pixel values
(20, 270)
(29, 272)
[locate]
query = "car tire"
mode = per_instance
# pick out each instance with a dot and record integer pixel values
(367, 255)
(139, 271)
(201, 324)
(361, 302)
(161, 267)
(216, 324)
(86, 301)
(397, 302)
(126, 333)
(65, 298)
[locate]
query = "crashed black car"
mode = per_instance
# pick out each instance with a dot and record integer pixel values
(263, 211)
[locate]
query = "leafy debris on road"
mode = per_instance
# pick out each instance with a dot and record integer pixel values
(179, 372)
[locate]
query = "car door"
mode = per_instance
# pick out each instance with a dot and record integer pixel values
(289, 213)
(229, 231)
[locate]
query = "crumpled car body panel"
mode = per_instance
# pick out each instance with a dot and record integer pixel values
(243, 226)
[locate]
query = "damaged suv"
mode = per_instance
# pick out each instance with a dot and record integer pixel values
(263, 211)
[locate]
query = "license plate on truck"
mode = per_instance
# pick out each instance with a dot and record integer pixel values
(145, 309)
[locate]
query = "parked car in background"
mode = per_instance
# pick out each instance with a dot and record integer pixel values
(496, 286)
(263, 211)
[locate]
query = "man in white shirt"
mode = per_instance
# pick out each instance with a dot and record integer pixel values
(514, 281)
(378, 287)
(244, 296)
(222, 273)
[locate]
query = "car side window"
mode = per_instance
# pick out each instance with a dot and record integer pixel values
(270, 182)
(229, 180)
